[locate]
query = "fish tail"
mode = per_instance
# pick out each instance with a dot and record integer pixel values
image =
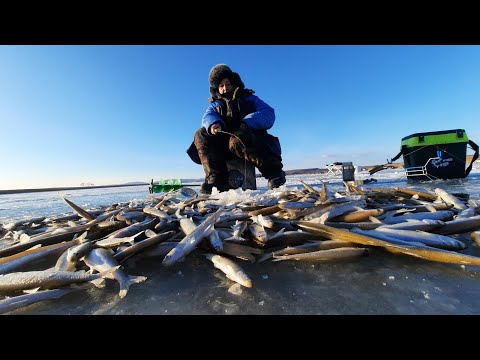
(99, 283)
(125, 285)
(137, 279)
(122, 293)
(216, 243)
(106, 273)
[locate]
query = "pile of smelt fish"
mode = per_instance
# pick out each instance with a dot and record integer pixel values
(46, 258)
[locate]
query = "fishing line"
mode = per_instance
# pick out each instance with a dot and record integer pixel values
(244, 151)
(226, 132)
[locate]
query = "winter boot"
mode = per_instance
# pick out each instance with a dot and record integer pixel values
(206, 188)
(216, 172)
(277, 181)
(271, 168)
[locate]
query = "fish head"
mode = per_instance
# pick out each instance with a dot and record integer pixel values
(172, 257)
(243, 279)
(72, 255)
(247, 283)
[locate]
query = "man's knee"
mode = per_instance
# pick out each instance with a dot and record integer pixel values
(236, 146)
(200, 133)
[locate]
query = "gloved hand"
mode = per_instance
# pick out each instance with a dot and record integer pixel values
(215, 127)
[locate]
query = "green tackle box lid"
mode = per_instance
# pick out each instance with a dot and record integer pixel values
(435, 137)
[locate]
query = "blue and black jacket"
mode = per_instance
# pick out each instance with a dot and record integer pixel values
(246, 107)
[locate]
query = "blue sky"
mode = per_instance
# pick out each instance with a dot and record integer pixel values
(108, 114)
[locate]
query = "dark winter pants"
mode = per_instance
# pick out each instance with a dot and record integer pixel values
(260, 148)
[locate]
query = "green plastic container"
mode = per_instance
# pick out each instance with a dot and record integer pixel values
(439, 154)
(169, 185)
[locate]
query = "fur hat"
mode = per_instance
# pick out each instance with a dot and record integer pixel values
(220, 72)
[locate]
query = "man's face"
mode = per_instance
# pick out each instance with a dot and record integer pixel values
(225, 86)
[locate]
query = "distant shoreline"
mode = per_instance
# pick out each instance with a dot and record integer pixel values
(287, 172)
(17, 191)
